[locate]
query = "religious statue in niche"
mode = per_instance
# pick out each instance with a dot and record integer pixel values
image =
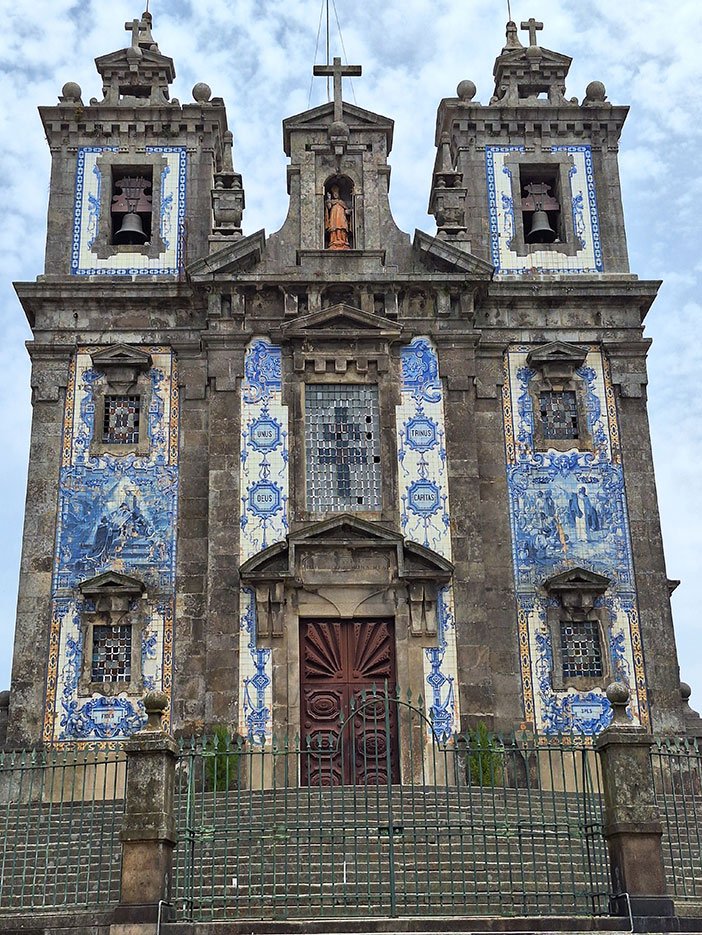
(338, 215)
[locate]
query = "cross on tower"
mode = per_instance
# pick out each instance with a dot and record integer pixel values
(140, 30)
(338, 71)
(533, 26)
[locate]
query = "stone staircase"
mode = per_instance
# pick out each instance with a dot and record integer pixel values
(329, 853)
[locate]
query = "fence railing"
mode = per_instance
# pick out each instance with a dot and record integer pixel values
(677, 777)
(380, 816)
(60, 817)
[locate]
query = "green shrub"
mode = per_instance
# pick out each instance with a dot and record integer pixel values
(221, 759)
(484, 757)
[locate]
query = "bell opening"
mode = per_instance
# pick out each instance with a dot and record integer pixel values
(131, 208)
(541, 203)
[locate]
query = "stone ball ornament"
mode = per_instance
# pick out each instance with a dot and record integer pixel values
(595, 92)
(155, 703)
(685, 691)
(339, 129)
(617, 694)
(466, 90)
(202, 92)
(71, 91)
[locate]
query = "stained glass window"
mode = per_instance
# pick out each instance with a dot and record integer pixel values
(121, 424)
(581, 650)
(112, 654)
(343, 447)
(559, 414)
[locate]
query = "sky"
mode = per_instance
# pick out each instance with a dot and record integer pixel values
(258, 56)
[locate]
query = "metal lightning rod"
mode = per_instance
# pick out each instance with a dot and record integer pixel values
(509, 11)
(328, 60)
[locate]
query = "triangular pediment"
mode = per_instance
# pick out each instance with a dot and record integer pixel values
(357, 118)
(414, 562)
(557, 352)
(547, 56)
(121, 355)
(342, 321)
(435, 250)
(237, 256)
(125, 58)
(577, 579)
(111, 582)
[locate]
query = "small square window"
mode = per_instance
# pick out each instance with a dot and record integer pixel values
(112, 654)
(559, 414)
(581, 649)
(121, 422)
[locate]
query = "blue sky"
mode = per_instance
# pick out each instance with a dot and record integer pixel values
(258, 55)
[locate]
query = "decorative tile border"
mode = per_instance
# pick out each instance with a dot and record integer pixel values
(501, 214)
(86, 217)
(546, 540)
(117, 514)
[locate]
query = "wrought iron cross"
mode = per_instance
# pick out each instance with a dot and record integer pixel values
(533, 26)
(338, 72)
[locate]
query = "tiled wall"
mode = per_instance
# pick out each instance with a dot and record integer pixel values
(114, 514)
(547, 539)
(424, 509)
(503, 217)
(86, 217)
(264, 514)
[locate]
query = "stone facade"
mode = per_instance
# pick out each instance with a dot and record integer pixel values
(455, 504)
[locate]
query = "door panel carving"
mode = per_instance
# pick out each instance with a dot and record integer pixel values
(346, 729)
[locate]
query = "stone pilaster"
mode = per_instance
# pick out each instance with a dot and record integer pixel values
(632, 825)
(148, 833)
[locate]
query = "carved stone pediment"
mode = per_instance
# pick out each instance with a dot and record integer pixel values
(339, 322)
(357, 118)
(577, 589)
(557, 360)
(121, 365)
(112, 591)
(354, 537)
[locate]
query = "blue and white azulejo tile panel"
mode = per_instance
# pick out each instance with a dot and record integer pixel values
(568, 509)
(114, 514)
(89, 205)
(503, 216)
(264, 514)
(424, 510)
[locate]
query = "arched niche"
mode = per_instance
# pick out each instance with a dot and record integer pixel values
(339, 213)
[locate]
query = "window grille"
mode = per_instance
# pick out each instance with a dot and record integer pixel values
(581, 650)
(112, 654)
(343, 447)
(121, 425)
(559, 414)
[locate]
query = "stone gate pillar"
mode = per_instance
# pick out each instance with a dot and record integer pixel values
(632, 825)
(148, 833)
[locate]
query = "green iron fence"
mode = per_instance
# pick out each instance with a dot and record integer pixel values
(677, 777)
(60, 816)
(378, 815)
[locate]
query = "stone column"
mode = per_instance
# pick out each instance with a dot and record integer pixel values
(632, 826)
(148, 834)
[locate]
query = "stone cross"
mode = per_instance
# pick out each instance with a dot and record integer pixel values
(134, 27)
(533, 27)
(337, 71)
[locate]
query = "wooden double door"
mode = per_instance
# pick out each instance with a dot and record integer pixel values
(348, 716)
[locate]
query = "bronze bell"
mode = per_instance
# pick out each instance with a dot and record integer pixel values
(541, 231)
(131, 231)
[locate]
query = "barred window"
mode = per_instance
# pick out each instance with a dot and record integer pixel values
(343, 447)
(121, 423)
(559, 414)
(581, 650)
(112, 654)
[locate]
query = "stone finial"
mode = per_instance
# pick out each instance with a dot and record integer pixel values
(155, 703)
(618, 696)
(512, 38)
(227, 152)
(595, 93)
(71, 93)
(202, 92)
(466, 91)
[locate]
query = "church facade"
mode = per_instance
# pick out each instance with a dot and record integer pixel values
(268, 472)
